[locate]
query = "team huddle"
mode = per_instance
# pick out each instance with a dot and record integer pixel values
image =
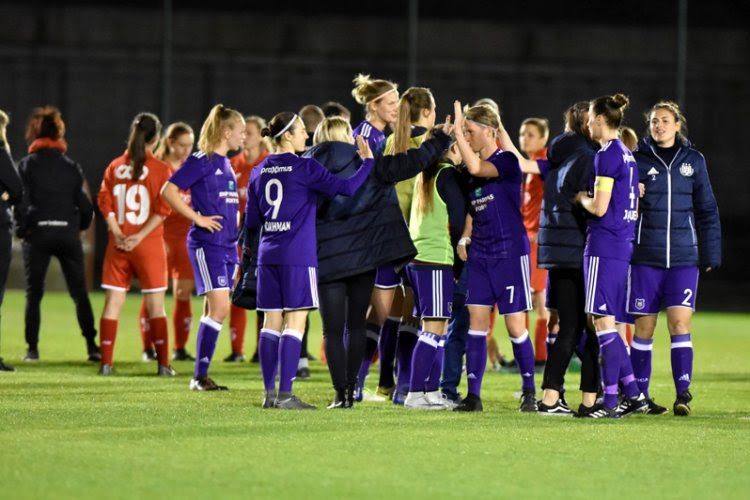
(408, 235)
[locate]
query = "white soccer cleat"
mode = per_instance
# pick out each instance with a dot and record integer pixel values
(419, 401)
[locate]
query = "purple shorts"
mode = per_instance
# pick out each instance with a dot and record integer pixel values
(605, 280)
(433, 290)
(287, 288)
(504, 282)
(650, 287)
(386, 277)
(214, 267)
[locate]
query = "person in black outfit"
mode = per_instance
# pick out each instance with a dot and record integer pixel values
(10, 194)
(55, 208)
(356, 235)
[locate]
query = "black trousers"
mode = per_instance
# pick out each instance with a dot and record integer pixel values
(38, 248)
(568, 294)
(343, 306)
(6, 248)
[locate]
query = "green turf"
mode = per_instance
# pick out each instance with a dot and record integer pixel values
(67, 433)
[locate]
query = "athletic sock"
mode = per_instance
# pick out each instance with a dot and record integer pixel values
(387, 350)
(107, 336)
(146, 339)
(540, 340)
(523, 351)
(433, 382)
(476, 360)
(237, 325)
(205, 344)
(268, 354)
(640, 358)
(610, 365)
(407, 338)
(422, 360)
(290, 346)
(182, 319)
(158, 328)
(682, 362)
(371, 345)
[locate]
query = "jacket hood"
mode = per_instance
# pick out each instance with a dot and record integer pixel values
(647, 142)
(335, 155)
(565, 145)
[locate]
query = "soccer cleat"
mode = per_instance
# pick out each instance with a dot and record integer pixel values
(358, 394)
(419, 401)
(399, 398)
(31, 356)
(269, 399)
(339, 401)
(235, 357)
(92, 350)
(182, 355)
(206, 384)
(5, 368)
(528, 402)
(470, 403)
(597, 411)
(148, 355)
(291, 402)
(629, 406)
(449, 403)
(681, 406)
(655, 409)
(105, 370)
(372, 397)
(558, 409)
(165, 371)
(436, 399)
(255, 358)
(385, 392)
(303, 373)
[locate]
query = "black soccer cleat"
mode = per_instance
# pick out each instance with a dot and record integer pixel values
(471, 402)
(681, 406)
(235, 357)
(630, 406)
(655, 409)
(303, 373)
(166, 371)
(528, 402)
(31, 356)
(269, 400)
(5, 368)
(182, 355)
(148, 355)
(558, 409)
(339, 402)
(206, 384)
(597, 411)
(93, 352)
(105, 370)
(291, 402)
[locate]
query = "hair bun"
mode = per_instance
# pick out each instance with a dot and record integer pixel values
(265, 132)
(621, 101)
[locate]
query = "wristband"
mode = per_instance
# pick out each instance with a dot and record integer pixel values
(464, 241)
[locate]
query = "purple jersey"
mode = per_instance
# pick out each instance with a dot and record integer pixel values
(375, 138)
(611, 235)
(282, 200)
(498, 231)
(213, 191)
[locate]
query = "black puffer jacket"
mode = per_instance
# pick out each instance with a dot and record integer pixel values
(9, 183)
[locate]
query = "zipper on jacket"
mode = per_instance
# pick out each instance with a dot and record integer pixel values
(669, 198)
(692, 229)
(640, 223)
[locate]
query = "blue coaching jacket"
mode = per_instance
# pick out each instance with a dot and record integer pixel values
(678, 224)
(562, 224)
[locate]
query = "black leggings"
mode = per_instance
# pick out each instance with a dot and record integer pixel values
(567, 294)
(343, 305)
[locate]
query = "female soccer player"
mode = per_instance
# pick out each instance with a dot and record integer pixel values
(129, 199)
(212, 240)
(254, 150)
(613, 210)
(498, 256)
(174, 148)
(282, 201)
(532, 140)
(678, 232)
(380, 100)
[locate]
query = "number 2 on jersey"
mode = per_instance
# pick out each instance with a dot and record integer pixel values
(275, 202)
(132, 203)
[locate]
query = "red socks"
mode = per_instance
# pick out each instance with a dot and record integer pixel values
(146, 338)
(182, 318)
(540, 340)
(237, 324)
(107, 335)
(158, 327)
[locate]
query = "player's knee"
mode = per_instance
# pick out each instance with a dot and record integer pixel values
(679, 326)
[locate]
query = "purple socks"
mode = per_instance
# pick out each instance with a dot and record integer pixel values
(476, 360)
(523, 351)
(682, 362)
(640, 358)
(205, 344)
(422, 360)
(290, 346)
(268, 352)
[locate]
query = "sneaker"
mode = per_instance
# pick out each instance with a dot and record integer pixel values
(5, 368)
(148, 355)
(303, 373)
(338, 401)
(436, 399)
(655, 409)
(681, 406)
(269, 398)
(372, 397)
(450, 403)
(597, 411)
(419, 401)
(105, 370)
(629, 406)
(292, 402)
(528, 402)
(470, 403)
(385, 392)
(558, 409)
(182, 355)
(93, 353)
(235, 357)
(206, 384)
(358, 396)
(166, 371)
(31, 356)
(399, 398)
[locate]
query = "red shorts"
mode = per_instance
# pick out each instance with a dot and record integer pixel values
(538, 276)
(148, 261)
(178, 262)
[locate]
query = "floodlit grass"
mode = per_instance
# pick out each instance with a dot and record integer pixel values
(67, 433)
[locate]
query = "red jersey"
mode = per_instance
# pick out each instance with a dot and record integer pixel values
(176, 226)
(133, 203)
(533, 192)
(242, 171)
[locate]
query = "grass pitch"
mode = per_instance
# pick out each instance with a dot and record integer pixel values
(67, 433)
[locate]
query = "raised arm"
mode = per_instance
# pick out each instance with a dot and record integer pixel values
(527, 166)
(475, 165)
(399, 167)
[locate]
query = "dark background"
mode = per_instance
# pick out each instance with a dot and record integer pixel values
(101, 63)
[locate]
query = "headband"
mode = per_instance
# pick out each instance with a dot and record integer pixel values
(381, 95)
(288, 126)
